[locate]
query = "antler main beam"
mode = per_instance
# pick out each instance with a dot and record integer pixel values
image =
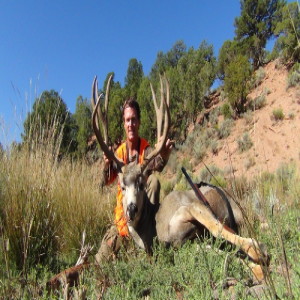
(99, 115)
(163, 118)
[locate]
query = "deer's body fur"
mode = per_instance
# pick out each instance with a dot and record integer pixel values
(181, 215)
(176, 222)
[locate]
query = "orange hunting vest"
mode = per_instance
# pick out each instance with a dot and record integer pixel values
(121, 153)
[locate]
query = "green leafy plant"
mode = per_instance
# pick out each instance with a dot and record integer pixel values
(294, 76)
(237, 82)
(287, 29)
(278, 114)
(226, 111)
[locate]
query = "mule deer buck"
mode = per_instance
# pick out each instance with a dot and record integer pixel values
(181, 215)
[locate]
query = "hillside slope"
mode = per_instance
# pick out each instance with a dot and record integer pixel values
(274, 142)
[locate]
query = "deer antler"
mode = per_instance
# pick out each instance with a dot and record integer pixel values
(85, 251)
(98, 114)
(161, 111)
(102, 115)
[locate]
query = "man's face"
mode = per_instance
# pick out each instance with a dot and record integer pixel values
(131, 124)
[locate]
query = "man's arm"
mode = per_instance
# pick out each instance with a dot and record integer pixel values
(109, 171)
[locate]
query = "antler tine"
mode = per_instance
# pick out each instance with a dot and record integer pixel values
(164, 106)
(168, 90)
(106, 108)
(158, 112)
(97, 113)
(167, 101)
(100, 116)
(107, 91)
(167, 120)
(167, 112)
(162, 136)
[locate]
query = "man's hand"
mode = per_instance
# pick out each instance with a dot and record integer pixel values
(107, 161)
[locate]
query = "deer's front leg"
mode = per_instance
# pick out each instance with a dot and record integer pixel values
(136, 237)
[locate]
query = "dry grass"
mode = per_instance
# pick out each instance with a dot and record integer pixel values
(45, 206)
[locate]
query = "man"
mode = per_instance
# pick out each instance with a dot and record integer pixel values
(134, 149)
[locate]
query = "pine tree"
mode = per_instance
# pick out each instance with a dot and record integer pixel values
(256, 26)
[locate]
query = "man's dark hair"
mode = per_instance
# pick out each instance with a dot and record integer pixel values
(133, 104)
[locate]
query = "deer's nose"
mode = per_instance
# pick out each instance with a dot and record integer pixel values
(131, 211)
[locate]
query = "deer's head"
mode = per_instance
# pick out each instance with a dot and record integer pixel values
(132, 177)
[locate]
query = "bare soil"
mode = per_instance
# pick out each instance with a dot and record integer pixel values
(274, 142)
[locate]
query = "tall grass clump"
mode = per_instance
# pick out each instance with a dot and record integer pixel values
(46, 203)
(275, 197)
(278, 114)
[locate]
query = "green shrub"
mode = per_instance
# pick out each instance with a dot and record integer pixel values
(222, 95)
(210, 132)
(259, 102)
(248, 117)
(225, 128)
(287, 30)
(184, 163)
(237, 81)
(291, 116)
(214, 146)
(214, 117)
(207, 174)
(266, 91)
(259, 76)
(199, 151)
(278, 114)
(226, 111)
(244, 143)
(294, 76)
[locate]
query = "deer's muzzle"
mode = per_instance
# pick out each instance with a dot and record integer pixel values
(131, 211)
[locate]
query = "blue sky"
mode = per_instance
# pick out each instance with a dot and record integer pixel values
(62, 45)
